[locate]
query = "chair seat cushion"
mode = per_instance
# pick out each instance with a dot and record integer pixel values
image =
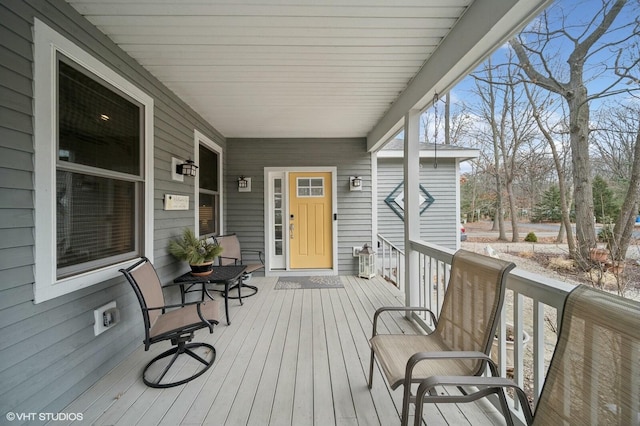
(394, 350)
(186, 317)
(253, 267)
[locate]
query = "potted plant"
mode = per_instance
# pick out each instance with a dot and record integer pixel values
(199, 253)
(510, 344)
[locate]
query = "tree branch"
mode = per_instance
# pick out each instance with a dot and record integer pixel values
(581, 50)
(536, 77)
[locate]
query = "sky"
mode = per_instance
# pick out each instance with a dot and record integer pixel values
(578, 14)
(575, 17)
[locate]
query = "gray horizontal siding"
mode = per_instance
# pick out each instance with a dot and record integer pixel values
(48, 353)
(249, 157)
(12, 139)
(438, 223)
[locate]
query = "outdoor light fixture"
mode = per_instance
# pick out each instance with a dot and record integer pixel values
(355, 183)
(188, 168)
(244, 184)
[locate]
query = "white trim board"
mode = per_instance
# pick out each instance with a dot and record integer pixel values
(47, 43)
(462, 154)
(199, 137)
(267, 205)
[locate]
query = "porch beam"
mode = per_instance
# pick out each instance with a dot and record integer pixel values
(411, 211)
(486, 25)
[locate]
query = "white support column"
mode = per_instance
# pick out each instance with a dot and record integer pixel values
(374, 204)
(411, 211)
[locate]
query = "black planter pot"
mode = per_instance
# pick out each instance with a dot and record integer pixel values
(202, 269)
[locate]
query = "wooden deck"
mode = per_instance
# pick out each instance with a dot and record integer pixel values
(289, 357)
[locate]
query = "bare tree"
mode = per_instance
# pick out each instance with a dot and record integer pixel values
(615, 140)
(521, 131)
(512, 127)
(626, 219)
(429, 123)
(537, 173)
(565, 203)
(478, 189)
(488, 93)
(446, 123)
(460, 125)
(588, 44)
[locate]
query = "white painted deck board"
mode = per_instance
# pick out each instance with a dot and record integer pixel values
(263, 403)
(344, 408)
(323, 402)
(303, 393)
(289, 357)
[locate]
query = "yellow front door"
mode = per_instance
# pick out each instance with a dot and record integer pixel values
(310, 221)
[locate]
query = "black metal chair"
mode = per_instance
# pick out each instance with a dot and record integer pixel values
(232, 255)
(176, 323)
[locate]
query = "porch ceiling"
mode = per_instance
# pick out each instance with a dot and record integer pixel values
(303, 68)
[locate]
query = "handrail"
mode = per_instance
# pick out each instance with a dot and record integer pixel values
(391, 262)
(533, 305)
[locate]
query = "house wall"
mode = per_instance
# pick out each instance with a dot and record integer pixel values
(48, 353)
(249, 157)
(439, 222)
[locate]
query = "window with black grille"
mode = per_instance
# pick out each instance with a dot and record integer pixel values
(209, 193)
(99, 179)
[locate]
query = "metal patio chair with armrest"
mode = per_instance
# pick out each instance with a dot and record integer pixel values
(232, 254)
(461, 341)
(594, 375)
(176, 323)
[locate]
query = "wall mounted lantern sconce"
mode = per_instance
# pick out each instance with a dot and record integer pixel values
(188, 168)
(244, 184)
(355, 183)
(181, 168)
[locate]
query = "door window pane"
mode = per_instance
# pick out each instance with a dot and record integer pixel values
(313, 187)
(278, 214)
(303, 192)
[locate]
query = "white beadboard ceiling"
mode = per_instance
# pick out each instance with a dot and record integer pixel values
(289, 68)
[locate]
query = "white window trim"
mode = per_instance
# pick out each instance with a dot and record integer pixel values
(269, 270)
(47, 43)
(200, 138)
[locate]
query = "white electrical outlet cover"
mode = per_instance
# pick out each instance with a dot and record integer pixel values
(98, 326)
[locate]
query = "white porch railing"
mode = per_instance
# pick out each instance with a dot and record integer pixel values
(533, 304)
(390, 261)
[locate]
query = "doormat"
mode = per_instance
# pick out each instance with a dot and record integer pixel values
(288, 283)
